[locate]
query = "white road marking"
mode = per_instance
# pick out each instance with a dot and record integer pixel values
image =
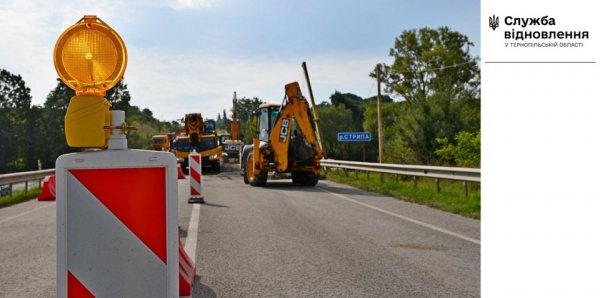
(406, 218)
(27, 212)
(192, 233)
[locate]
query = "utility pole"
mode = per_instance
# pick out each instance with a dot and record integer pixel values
(379, 115)
(315, 113)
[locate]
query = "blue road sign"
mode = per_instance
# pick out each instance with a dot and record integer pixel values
(354, 136)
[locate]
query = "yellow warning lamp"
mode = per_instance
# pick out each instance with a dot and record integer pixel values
(90, 58)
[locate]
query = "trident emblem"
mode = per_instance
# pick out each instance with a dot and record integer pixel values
(494, 22)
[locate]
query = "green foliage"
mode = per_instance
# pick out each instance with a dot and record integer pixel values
(29, 133)
(466, 152)
(20, 196)
(439, 80)
(119, 97)
(389, 114)
(246, 110)
(450, 198)
(334, 119)
(15, 120)
(427, 61)
(248, 130)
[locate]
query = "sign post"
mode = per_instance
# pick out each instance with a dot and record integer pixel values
(356, 137)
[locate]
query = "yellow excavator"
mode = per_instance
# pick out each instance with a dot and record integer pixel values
(286, 142)
(201, 136)
(233, 146)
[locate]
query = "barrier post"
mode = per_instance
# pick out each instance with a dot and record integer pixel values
(195, 163)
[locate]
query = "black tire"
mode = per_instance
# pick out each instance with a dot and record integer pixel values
(298, 177)
(310, 180)
(258, 180)
(216, 166)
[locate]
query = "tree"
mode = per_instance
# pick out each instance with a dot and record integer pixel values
(55, 109)
(248, 130)
(334, 119)
(119, 97)
(15, 101)
(427, 61)
(439, 80)
(246, 108)
(390, 112)
(226, 122)
(466, 152)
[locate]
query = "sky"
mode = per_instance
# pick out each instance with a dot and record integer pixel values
(189, 56)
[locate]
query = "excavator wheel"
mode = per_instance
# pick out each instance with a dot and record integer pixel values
(310, 180)
(216, 166)
(254, 180)
(304, 179)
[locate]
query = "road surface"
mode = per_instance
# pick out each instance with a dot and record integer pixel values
(281, 240)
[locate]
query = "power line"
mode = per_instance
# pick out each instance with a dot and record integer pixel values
(371, 88)
(439, 68)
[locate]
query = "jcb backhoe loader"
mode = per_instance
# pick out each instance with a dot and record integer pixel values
(233, 145)
(286, 142)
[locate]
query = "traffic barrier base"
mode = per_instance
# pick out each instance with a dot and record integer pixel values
(49, 189)
(187, 272)
(180, 174)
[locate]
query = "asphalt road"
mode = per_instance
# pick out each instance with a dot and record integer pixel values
(282, 240)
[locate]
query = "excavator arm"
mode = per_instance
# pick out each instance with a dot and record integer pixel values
(296, 106)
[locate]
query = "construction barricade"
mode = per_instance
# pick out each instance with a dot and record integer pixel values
(117, 224)
(48, 189)
(187, 272)
(195, 161)
(180, 174)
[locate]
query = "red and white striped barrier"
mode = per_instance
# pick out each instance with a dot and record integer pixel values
(195, 163)
(180, 174)
(117, 224)
(49, 189)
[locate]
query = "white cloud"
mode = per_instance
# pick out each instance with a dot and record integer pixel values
(174, 84)
(170, 84)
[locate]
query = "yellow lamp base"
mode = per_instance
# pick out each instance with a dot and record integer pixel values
(85, 121)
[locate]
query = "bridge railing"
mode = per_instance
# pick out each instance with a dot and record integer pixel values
(450, 173)
(24, 178)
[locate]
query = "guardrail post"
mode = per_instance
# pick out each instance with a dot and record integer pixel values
(437, 185)
(26, 186)
(40, 183)
(11, 189)
(466, 188)
(346, 173)
(396, 178)
(368, 176)
(415, 181)
(356, 174)
(381, 177)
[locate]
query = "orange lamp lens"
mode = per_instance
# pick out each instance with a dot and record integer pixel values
(90, 57)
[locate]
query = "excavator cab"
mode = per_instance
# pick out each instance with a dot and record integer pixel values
(267, 116)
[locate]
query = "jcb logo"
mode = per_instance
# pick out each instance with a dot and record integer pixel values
(284, 130)
(232, 147)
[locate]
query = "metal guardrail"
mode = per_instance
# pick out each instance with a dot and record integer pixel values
(450, 173)
(24, 177)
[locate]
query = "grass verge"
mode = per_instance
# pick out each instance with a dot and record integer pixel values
(450, 198)
(20, 196)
